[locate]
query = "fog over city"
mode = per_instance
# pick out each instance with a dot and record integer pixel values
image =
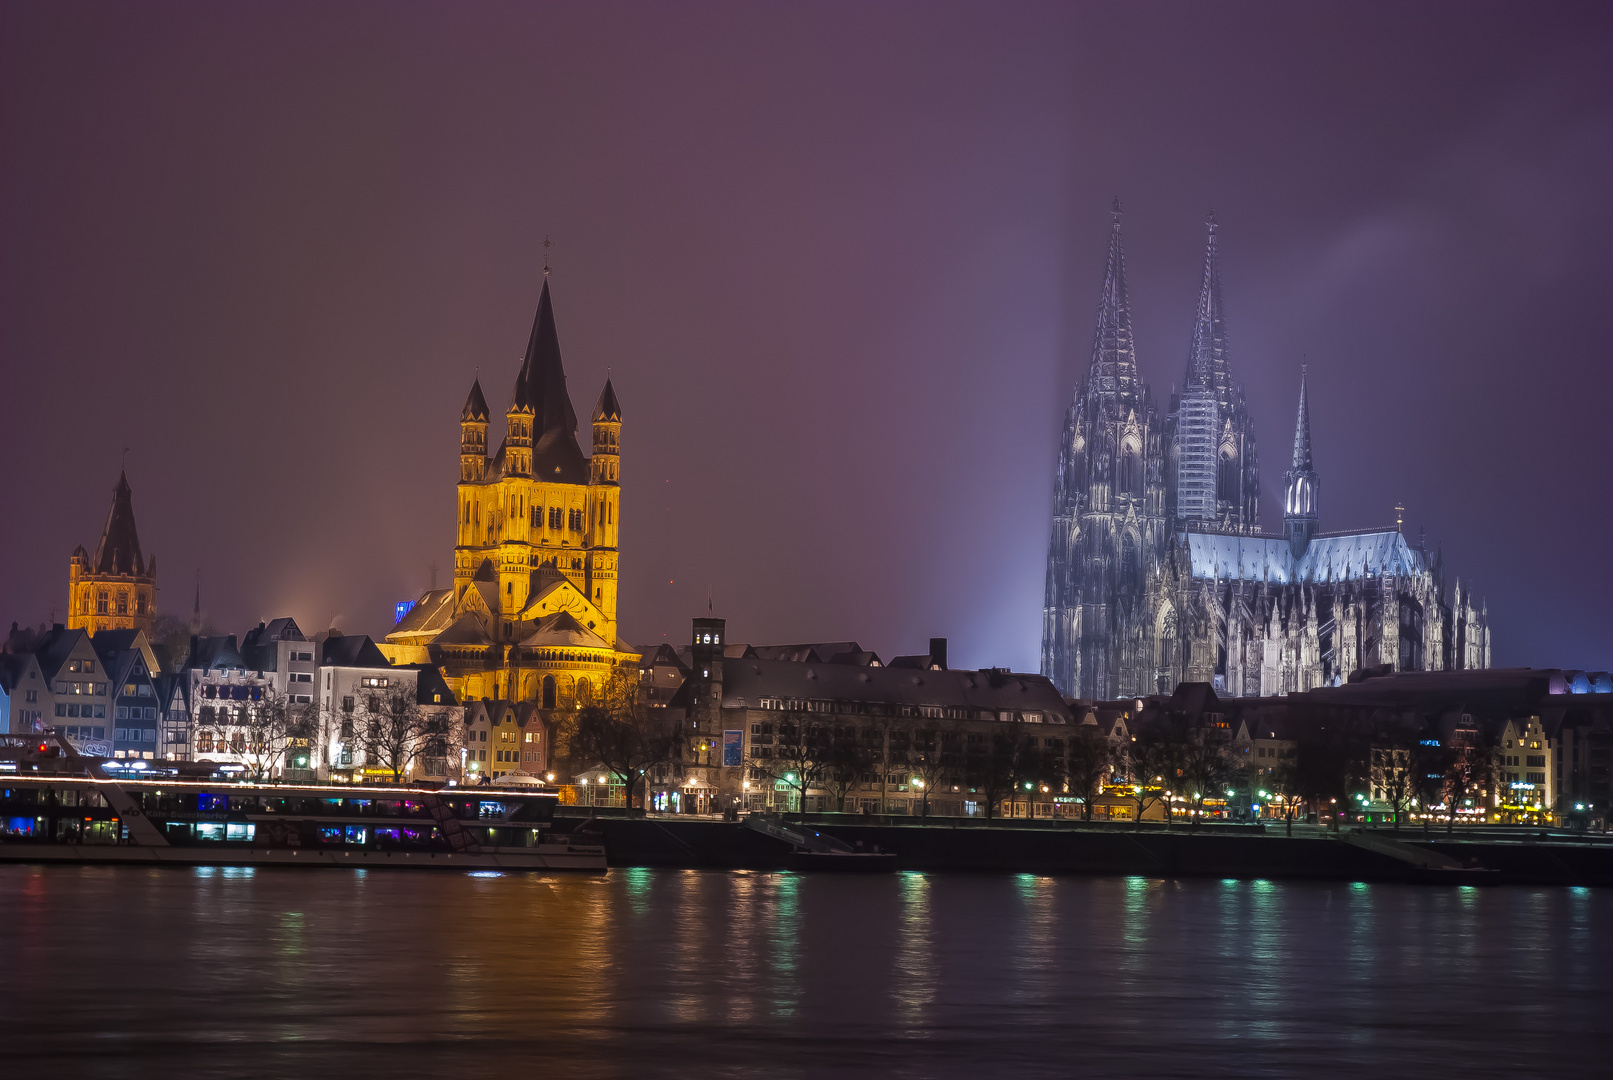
(841, 263)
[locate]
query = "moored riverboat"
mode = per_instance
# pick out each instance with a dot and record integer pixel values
(71, 809)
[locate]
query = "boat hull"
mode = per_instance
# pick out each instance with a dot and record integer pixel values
(545, 857)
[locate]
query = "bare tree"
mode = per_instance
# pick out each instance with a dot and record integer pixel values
(1393, 776)
(1205, 768)
(264, 728)
(1285, 790)
(849, 759)
(1090, 761)
(1470, 763)
(1151, 761)
(798, 756)
(618, 731)
(933, 759)
(394, 730)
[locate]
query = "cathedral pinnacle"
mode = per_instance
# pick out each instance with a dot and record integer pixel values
(1302, 427)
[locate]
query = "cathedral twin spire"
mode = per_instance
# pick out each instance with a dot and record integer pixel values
(1207, 362)
(1114, 351)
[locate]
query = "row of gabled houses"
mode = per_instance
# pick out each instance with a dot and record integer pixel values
(1549, 731)
(116, 695)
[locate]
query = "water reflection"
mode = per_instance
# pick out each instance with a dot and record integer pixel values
(915, 972)
(644, 973)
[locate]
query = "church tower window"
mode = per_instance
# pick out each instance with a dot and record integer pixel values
(102, 603)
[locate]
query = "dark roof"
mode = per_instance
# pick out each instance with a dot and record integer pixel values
(351, 650)
(662, 655)
(1194, 699)
(475, 405)
(1490, 690)
(214, 652)
(169, 687)
(119, 654)
(119, 550)
(429, 683)
(55, 647)
(108, 642)
(813, 651)
(542, 387)
(12, 667)
(608, 408)
(747, 682)
(285, 629)
(258, 646)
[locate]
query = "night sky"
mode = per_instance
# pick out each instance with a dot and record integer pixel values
(842, 262)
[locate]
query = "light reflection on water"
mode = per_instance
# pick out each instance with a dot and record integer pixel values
(113, 971)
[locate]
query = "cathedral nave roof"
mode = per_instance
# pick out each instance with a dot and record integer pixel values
(1342, 557)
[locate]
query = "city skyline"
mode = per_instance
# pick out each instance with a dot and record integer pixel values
(862, 384)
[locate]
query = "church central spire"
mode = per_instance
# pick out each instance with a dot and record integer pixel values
(542, 383)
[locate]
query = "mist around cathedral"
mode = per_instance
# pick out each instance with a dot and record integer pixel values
(798, 541)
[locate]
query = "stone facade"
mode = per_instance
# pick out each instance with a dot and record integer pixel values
(116, 588)
(531, 616)
(1158, 572)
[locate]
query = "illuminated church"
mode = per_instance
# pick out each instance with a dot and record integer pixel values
(1158, 572)
(116, 588)
(531, 616)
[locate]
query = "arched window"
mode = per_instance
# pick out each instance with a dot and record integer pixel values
(585, 693)
(1130, 566)
(548, 692)
(1227, 476)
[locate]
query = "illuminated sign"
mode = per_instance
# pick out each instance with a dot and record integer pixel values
(1523, 787)
(400, 609)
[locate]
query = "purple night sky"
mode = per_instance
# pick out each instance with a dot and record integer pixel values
(842, 262)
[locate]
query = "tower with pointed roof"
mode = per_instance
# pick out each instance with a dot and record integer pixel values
(116, 588)
(531, 615)
(1108, 512)
(1212, 468)
(1300, 483)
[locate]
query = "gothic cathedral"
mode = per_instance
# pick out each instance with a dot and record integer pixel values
(531, 616)
(1158, 572)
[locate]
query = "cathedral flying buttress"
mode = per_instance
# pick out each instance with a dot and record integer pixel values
(1158, 572)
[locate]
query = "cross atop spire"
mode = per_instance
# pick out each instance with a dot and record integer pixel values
(547, 244)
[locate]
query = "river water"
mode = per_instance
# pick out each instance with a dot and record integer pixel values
(137, 972)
